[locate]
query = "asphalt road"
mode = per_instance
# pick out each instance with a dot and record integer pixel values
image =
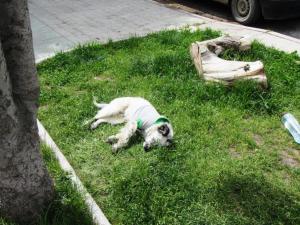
(219, 11)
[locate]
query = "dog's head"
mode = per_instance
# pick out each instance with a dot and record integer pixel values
(158, 135)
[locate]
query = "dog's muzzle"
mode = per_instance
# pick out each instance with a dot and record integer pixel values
(146, 148)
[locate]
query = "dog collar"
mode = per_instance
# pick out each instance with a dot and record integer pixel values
(161, 119)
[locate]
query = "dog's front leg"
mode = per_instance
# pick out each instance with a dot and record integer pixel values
(124, 136)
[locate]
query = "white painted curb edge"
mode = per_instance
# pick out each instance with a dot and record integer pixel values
(98, 216)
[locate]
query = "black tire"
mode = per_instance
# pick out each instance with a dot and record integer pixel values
(246, 11)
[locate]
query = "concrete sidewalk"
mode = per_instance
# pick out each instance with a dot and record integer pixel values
(59, 25)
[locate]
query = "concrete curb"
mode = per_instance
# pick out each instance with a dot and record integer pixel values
(98, 216)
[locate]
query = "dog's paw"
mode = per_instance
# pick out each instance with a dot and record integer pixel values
(93, 126)
(115, 149)
(111, 140)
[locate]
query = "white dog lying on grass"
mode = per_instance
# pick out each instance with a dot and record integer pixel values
(139, 115)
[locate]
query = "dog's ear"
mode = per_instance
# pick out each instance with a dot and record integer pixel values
(164, 129)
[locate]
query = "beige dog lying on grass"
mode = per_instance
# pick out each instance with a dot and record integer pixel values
(138, 115)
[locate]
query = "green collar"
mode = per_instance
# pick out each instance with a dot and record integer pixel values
(161, 119)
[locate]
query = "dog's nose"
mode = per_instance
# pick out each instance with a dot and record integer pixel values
(146, 148)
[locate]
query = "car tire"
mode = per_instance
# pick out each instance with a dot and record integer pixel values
(246, 11)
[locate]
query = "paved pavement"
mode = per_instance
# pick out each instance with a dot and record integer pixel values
(59, 25)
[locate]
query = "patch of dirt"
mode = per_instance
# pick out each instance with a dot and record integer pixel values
(234, 153)
(247, 117)
(102, 78)
(290, 157)
(258, 139)
(80, 92)
(286, 177)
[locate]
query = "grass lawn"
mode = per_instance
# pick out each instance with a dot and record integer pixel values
(68, 207)
(233, 162)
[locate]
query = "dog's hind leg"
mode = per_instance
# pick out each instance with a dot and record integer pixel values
(112, 120)
(111, 111)
(95, 124)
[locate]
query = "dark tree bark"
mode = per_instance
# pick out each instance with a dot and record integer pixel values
(25, 185)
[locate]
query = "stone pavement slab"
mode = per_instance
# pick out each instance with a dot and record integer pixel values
(59, 25)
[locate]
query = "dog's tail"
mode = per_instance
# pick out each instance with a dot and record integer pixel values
(98, 105)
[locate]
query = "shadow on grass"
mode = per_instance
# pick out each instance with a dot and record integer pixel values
(253, 197)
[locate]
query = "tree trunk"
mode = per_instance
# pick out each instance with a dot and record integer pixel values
(25, 185)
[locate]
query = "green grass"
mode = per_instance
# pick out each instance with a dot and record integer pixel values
(67, 207)
(227, 165)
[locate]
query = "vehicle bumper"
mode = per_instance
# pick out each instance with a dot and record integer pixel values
(280, 9)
